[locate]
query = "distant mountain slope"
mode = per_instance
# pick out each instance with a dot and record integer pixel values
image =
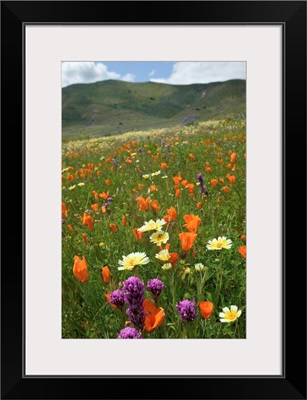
(115, 106)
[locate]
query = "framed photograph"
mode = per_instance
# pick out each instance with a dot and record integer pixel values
(155, 149)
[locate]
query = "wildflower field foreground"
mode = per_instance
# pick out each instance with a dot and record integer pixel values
(154, 234)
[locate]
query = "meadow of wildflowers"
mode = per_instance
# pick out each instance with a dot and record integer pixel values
(154, 234)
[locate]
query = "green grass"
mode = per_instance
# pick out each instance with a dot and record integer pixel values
(187, 151)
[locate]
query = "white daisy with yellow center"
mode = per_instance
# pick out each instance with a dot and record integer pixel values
(230, 315)
(163, 255)
(220, 243)
(132, 260)
(159, 238)
(167, 266)
(152, 225)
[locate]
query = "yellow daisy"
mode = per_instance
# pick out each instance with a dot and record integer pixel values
(219, 243)
(230, 315)
(159, 237)
(132, 260)
(152, 225)
(163, 255)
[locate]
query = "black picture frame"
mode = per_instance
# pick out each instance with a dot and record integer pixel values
(15, 15)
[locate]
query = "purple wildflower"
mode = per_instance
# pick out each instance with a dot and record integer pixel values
(129, 333)
(155, 286)
(187, 310)
(117, 298)
(109, 199)
(204, 190)
(133, 291)
(63, 221)
(200, 179)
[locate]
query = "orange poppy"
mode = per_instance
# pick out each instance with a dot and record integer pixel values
(88, 221)
(153, 188)
(70, 177)
(214, 182)
(226, 189)
(167, 247)
(192, 222)
(190, 187)
(171, 214)
(199, 205)
(80, 270)
(206, 308)
(84, 238)
(95, 194)
(137, 234)
(208, 169)
(231, 178)
(70, 228)
(140, 186)
(124, 220)
(113, 227)
(178, 192)
(105, 272)
(163, 165)
(233, 157)
(155, 205)
(242, 251)
(177, 179)
(184, 182)
(187, 239)
(173, 258)
(143, 203)
(94, 207)
(153, 316)
(108, 182)
(64, 211)
(243, 237)
(104, 195)
(103, 209)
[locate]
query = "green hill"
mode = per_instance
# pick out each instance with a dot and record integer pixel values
(111, 107)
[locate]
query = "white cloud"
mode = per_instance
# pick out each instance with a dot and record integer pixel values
(151, 73)
(128, 78)
(87, 72)
(185, 73)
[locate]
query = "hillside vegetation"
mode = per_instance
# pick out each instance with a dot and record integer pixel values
(112, 107)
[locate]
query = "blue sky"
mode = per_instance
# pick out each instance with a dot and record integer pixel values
(179, 73)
